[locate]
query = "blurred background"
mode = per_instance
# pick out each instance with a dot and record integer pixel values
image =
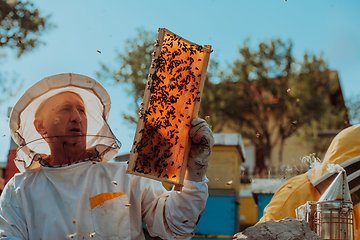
(283, 76)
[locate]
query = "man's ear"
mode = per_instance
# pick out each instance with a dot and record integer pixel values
(39, 126)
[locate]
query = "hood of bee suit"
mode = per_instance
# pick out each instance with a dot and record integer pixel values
(344, 150)
(31, 145)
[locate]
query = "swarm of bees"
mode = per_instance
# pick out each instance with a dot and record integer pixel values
(172, 92)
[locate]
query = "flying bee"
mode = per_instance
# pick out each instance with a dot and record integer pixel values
(72, 235)
(229, 183)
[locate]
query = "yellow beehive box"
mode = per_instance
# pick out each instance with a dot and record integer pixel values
(248, 208)
(225, 161)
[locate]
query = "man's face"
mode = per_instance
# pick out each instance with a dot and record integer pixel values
(63, 119)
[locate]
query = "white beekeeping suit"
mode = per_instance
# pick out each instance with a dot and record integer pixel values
(90, 198)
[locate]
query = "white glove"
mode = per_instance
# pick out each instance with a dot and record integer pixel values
(202, 141)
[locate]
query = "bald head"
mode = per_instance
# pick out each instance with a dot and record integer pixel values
(45, 104)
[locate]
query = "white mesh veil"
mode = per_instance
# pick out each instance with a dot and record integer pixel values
(97, 103)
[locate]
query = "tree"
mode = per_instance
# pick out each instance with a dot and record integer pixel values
(353, 105)
(20, 27)
(321, 101)
(134, 69)
(267, 96)
(133, 72)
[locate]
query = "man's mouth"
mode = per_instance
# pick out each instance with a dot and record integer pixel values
(75, 130)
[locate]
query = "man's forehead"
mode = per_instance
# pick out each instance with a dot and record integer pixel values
(65, 97)
(58, 100)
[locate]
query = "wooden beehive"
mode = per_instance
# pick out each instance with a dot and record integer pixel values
(171, 100)
(227, 155)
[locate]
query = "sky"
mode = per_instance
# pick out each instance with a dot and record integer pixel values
(83, 27)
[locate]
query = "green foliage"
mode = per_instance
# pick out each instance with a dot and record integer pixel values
(320, 100)
(134, 68)
(266, 95)
(353, 105)
(269, 96)
(211, 98)
(9, 86)
(21, 25)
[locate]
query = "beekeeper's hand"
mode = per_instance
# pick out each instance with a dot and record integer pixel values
(202, 141)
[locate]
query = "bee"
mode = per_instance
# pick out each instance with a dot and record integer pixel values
(229, 183)
(98, 51)
(72, 235)
(127, 205)
(114, 182)
(91, 235)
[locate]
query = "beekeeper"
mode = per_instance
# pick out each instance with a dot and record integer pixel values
(344, 150)
(67, 189)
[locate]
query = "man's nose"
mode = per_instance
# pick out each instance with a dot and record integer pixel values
(75, 116)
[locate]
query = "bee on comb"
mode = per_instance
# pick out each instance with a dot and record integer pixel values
(171, 100)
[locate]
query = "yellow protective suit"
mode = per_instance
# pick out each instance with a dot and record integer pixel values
(298, 190)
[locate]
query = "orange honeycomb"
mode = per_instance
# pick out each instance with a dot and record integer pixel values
(170, 102)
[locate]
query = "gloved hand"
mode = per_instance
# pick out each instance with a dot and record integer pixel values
(202, 141)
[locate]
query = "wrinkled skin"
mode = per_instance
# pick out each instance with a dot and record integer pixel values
(62, 122)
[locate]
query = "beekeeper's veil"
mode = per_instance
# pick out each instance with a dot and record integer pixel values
(31, 146)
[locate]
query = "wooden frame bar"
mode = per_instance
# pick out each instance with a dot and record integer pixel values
(172, 98)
